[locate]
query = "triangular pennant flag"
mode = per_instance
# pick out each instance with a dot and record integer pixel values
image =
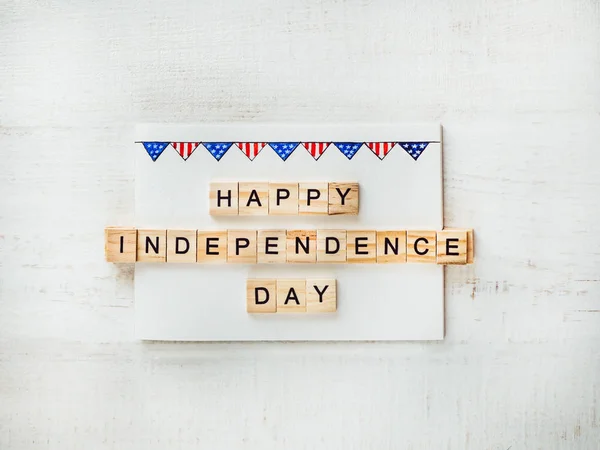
(185, 149)
(217, 149)
(381, 149)
(316, 149)
(349, 149)
(251, 149)
(155, 149)
(414, 149)
(284, 149)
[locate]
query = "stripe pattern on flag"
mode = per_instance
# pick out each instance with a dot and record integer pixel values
(185, 149)
(414, 149)
(217, 149)
(251, 149)
(381, 149)
(316, 149)
(349, 149)
(155, 149)
(284, 149)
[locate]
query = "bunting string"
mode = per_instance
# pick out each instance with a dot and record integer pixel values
(284, 149)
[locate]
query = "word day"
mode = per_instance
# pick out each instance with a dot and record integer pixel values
(448, 246)
(263, 198)
(291, 295)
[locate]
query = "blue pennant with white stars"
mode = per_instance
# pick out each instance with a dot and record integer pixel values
(349, 149)
(284, 149)
(217, 149)
(155, 149)
(414, 149)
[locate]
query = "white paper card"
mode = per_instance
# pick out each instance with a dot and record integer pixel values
(198, 302)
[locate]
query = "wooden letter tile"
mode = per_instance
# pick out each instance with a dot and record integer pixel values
(362, 246)
(391, 247)
(321, 296)
(313, 198)
(331, 246)
(254, 199)
(152, 245)
(343, 198)
(420, 246)
(302, 246)
(223, 200)
(241, 246)
(120, 244)
(291, 296)
(212, 247)
(181, 246)
(261, 296)
(452, 247)
(283, 199)
(271, 246)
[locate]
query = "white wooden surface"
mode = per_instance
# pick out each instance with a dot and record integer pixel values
(517, 88)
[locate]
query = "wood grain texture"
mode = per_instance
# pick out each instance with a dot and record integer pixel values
(361, 246)
(181, 246)
(120, 244)
(321, 295)
(291, 296)
(212, 247)
(261, 296)
(271, 247)
(516, 87)
(152, 246)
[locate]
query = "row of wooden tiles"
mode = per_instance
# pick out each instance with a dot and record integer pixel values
(261, 199)
(291, 296)
(449, 246)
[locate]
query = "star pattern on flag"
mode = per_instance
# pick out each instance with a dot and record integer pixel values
(414, 149)
(284, 149)
(155, 149)
(217, 149)
(349, 149)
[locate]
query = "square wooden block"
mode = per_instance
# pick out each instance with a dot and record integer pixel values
(241, 246)
(331, 246)
(420, 246)
(291, 296)
(152, 245)
(261, 296)
(181, 246)
(271, 247)
(254, 199)
(223, 199)
(362, 246)
(391, 247)
(343, 198)
(120, 244)
(313, 198)
(283, 199)
(452, 247)
(212, 247)
(302, 246)
(321, 295)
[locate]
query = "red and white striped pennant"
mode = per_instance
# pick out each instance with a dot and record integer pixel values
(251, 149)
(316, 149)
(381, 149)
(185, 149)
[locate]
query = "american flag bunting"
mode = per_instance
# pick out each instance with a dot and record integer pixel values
(284, 149)
(349, 149)
(316, 149)
(251, 149)
(414, 149)
(381, 149)
(185, 149)
(217, 149)
(155, 149)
